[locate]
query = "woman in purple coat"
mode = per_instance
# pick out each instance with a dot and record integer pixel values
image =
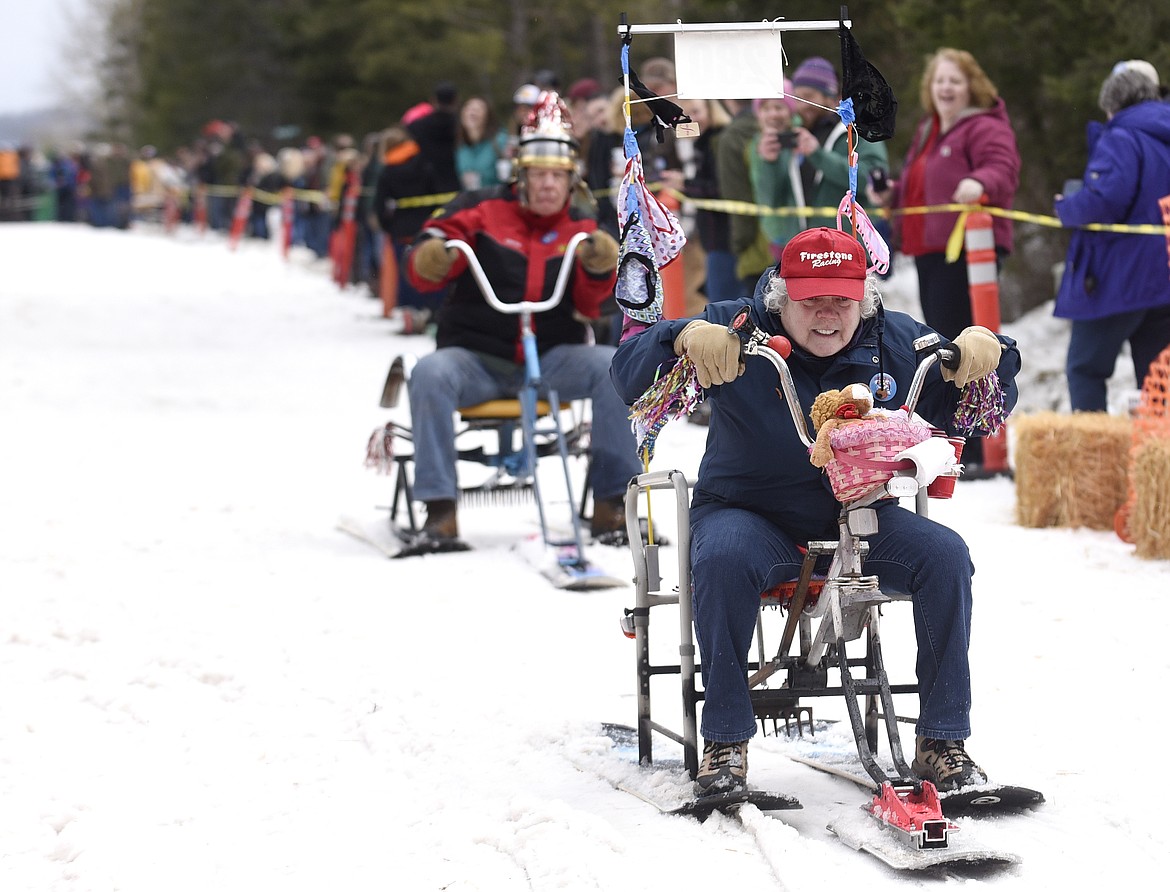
(963, 149)
(1116, 285)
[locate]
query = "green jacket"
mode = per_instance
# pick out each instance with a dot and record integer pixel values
(831, 178)
(748, 242)
(776, 184)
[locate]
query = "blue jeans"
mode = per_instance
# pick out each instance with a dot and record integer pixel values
(451, 377)
(1095, 343)
(910, 554)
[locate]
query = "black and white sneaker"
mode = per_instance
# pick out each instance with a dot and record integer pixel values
(945, 764)
(723, 769)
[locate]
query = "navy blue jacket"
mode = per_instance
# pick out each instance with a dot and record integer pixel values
(1128, 171)
(754, 458)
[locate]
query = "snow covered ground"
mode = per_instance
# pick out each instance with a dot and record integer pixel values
(207, 687)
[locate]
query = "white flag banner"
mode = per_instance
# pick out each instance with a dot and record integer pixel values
(729, 64)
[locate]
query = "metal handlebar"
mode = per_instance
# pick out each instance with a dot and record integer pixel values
(777, 348)
(524, 306)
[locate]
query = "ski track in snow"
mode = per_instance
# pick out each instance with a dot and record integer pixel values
(210, 687)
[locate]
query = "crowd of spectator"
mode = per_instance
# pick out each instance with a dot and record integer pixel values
(789, 154)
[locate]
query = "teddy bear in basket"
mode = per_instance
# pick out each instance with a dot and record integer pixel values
(834, 408)
(860, 447)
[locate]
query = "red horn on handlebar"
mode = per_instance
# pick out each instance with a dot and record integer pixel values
(781, 345)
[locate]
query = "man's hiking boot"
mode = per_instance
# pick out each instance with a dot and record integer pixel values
(723, 769)
(439, 534)
(945, 764)
(608, 526)
(442, 520)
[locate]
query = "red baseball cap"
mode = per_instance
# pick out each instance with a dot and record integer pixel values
(824, 262)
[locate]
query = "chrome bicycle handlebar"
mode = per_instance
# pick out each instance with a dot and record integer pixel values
(524, 306)
(777, 348)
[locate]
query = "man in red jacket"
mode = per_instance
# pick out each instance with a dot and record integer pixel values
(519, 233)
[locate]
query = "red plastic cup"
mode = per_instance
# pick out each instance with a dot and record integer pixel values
(943, 486)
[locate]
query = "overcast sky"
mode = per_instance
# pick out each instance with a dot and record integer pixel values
(32, 59)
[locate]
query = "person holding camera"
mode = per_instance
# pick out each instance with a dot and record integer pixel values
(774, 167)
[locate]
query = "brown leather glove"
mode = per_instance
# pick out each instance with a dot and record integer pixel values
(714, 350)
(598, 253)
(432, 259)
(979, 353)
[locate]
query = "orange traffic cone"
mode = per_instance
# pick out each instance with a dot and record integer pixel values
(240, 217)
(199, 213)
(287, 209)
(388, 278)
(983, 288)
(347, 231)
(674, 280)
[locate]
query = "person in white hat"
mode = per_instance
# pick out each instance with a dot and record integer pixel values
(523, 101)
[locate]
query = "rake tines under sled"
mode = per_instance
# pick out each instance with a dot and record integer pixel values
(499, 493)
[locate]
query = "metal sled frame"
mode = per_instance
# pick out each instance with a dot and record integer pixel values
(778, 24)
(846, 607)
(626, 32)
(501, 419)
(540, 427)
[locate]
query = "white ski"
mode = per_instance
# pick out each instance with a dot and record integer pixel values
(564, 566)
(864, 834)
(376, 533)
(396, 543)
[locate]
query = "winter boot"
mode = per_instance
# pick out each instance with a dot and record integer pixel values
(609, 521)
(608, 526)
(945, 764)
(439, 534)
(442, 520)
(415, 320)
(723, 769)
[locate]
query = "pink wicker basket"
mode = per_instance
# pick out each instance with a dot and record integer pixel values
(863, 454)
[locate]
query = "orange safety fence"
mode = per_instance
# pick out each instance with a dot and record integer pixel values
(1151, 419)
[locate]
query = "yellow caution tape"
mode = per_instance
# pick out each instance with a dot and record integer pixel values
(955, 239)
(750, 209)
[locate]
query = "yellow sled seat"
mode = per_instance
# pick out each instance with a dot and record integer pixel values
(509, 409)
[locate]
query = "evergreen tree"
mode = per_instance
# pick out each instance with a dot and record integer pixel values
(327, 66)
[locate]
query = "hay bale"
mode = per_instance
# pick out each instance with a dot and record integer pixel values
(1149, 522)
(1070, 470)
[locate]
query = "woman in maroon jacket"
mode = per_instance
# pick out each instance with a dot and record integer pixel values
(963, 150)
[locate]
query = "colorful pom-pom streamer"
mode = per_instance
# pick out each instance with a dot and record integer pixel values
(673, 395)
(981, 407)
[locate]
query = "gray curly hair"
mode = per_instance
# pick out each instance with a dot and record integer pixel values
(1124, 88)
(776, 296)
